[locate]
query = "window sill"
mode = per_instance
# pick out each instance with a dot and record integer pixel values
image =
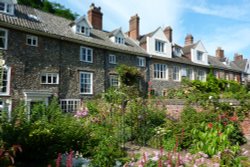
(86, 93)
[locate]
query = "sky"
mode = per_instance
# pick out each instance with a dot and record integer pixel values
(217, 23)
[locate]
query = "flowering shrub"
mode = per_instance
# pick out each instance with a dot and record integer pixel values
(82, 113)
(212, 138)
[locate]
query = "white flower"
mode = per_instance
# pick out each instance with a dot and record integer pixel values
(210, 97)
(230, 104)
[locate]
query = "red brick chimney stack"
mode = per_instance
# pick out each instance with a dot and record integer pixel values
(189, 39)
(95, 16)
(168, 33)
(219, 53)
(134, 27)
(238, 57)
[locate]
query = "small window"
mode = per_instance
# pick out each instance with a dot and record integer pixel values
(119, 40)
(70, 105)
(50, 78)
(3, 38)
(6, 8)
(83, 30)
(114, 81)
(32, 40)
(86, 54)
(176, 73)
(5, 78)
(159, 46)
(227, 76)
(201, 75)
(160, 71)
(199, 56)
(86, 83)
(112, 59)
(141, 61)
(189, 73)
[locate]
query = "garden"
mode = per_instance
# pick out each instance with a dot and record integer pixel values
(104, 130)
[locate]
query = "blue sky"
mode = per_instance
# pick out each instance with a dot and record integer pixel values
(224, 23)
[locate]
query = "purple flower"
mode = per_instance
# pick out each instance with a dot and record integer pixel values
(82, 113)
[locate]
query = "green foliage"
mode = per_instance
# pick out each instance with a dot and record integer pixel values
(107, 152)
(50, 7)
(213, 138)
(47, 132)
(143, 120)
(128, 75)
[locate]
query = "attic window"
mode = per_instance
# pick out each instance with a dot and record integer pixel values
(83, 30)
(119, 40)
(6, 8)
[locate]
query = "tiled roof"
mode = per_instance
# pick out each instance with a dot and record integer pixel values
(241, 64)
(143, 38)
(33, 19)
(212, 60)
(187, 49)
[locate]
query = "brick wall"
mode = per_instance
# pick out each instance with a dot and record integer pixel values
(174, 108)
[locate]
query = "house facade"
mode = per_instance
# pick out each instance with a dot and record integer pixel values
(45, 55)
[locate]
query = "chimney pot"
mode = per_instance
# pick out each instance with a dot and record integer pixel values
(189, 39)
(95, 16)
(168, 33)
(220, 54)
(134, 27)
(238, 57)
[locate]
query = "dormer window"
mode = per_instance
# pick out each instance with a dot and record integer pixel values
(83, 30)
(199, 56)
(6, 8)
(119, 40)
(159, 46)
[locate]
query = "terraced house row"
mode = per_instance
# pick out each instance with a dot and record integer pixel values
(46, 55)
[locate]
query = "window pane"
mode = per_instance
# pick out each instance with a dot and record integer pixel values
(2, 42)
(29, 41)
(2, 6)
(2, 33)
(34, 41)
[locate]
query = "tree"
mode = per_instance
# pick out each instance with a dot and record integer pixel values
(50, 7)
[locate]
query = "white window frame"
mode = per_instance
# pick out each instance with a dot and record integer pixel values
(190, 74)
(201, 75)
(199, 55)
(141, 61)
(227, 76)
(176, 73)
(113, 78)
(70, 105)
(51, 75)
(5, 37)
(87, 51)
(161, 71)
(159, 46)
(119, 40)
(32, 38)
(6, 70)
(112, 59)
(6, 5)
(91, 83)
(79, 30)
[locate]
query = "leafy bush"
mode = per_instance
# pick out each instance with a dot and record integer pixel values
(45, 133)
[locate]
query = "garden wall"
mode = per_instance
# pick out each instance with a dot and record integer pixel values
(175, 106)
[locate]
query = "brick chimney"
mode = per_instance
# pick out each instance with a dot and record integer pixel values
(168, 33)
(189, 39)
(238, 57)
(219, 53)
(95, 16)
(134, 27)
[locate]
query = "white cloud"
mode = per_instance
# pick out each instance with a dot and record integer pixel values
(230, 11)
(233, 39)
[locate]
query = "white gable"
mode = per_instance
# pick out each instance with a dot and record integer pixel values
(247, 68)
(118, 37)
(159, 35)
(199, 49)
(82, 23)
